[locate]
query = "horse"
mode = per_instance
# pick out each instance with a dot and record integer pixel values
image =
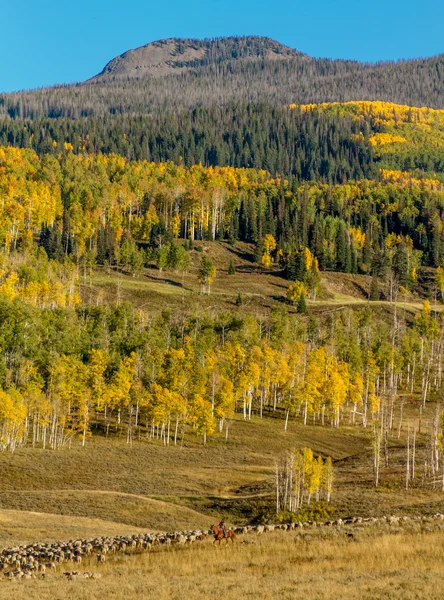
(219, 534)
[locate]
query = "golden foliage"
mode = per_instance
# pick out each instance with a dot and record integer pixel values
(382, 113)
(295, 291)
(406, 179)
(383, 139)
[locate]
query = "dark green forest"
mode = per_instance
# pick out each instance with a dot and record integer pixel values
(307, 146)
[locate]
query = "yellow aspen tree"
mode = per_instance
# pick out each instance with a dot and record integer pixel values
(175, 226)
(268, 246)
(12, 420)
(313, 381)
(96, 381)
(317, 477)
(180, 411)
(279, 378)
(71, 398)
(356, 391)
(308, 471)
(8, 286)
(175, 369)
(328, 478)
(122, 383)
(158, 409)
(213, 374)
(206, 275)
(336, 387)
(295, 291)
(201, 417)
(439, 281)
(224, 404)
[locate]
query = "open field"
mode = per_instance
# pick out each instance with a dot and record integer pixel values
(111, 481)
(153, 487)
(260, 290)
(379, 562)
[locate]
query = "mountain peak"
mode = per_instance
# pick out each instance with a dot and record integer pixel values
(174, 55)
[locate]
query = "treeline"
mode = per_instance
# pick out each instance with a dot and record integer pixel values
(331, 143)
(328, 142)
(305, 145)
(68, 372)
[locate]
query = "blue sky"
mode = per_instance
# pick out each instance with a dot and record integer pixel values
(47, 41)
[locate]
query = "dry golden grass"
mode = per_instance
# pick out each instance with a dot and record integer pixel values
(317, 565)
(152, 487)
(160, 488)
(23, 527)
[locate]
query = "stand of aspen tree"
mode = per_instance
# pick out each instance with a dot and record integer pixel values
(301, 477)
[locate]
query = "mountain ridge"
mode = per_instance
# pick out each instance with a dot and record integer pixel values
(161, 57)
(177, 55)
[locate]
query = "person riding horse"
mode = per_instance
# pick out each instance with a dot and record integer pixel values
(223, 527)
(221, 532)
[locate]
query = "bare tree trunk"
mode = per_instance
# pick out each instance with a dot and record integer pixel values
(407, 467)
(401, 410)
(277, 488)
(376, 454)
(287, 413)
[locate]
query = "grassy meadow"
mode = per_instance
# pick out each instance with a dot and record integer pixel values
(379, 562)
(152, 487)
(260, 289)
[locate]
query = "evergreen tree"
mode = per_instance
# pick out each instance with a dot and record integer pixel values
(302, 305)
(367, 253)
(374, 288)
(400, 267)
(296, 269)
(342, 250)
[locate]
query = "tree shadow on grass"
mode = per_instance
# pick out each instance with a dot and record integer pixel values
(163, 280)
(244, 255)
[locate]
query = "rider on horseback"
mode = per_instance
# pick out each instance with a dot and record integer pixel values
(223, 527)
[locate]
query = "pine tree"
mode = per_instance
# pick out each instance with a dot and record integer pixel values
(349, 260)
(302, 306)
(296, 267)
(231, 268)
(367, 251)
(400, 267)
(374, 289)
(341, 247)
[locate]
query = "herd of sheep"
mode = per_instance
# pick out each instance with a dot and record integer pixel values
(35, 560)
